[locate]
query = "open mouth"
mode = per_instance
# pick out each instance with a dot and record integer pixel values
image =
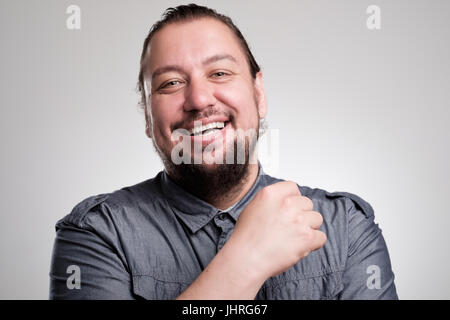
(208, 129)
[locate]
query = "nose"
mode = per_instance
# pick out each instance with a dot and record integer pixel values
(199, 95)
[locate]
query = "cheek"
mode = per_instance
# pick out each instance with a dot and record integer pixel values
(159, 122)
(239, 97)
(165, 112)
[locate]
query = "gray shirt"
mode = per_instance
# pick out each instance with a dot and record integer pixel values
(153, 239)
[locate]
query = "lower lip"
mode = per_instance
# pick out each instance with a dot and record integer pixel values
(206, 140)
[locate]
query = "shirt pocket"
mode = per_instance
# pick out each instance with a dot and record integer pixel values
(289, 286)
(152, 288)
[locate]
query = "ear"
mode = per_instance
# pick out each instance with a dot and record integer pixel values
(260, 95)
(148, 122)
(147, 111)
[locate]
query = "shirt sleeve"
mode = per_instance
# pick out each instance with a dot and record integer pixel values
(86, 262)
(368, 274)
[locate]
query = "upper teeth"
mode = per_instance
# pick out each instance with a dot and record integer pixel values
(213, 125)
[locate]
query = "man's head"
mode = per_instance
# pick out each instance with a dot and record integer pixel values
(197, 66)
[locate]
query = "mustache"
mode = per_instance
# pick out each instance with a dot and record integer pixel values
(200, 115)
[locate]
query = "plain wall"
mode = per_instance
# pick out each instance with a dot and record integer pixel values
(358, 110)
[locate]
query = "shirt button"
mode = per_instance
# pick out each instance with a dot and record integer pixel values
(222, 216)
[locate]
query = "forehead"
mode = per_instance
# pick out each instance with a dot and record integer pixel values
(188, 43)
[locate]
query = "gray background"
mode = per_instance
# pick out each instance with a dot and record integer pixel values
(358, 110)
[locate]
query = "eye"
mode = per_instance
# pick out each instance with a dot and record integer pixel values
(219, 74)
(170, 84)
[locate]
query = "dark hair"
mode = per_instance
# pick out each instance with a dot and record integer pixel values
(186, 13)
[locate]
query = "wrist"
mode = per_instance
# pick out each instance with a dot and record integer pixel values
(246, 261)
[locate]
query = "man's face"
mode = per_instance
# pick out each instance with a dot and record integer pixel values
(197, 71)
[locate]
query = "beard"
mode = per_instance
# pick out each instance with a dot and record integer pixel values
(212, 183)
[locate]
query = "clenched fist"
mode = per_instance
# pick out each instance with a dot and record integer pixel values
(277, 229)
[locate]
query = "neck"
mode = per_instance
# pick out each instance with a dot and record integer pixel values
(239, 191)
(220, 187)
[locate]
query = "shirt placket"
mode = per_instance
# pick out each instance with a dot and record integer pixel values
(223, 221)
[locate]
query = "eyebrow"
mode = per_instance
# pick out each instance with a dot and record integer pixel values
(214, 58)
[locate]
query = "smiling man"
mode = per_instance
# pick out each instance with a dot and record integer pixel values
(198, 71)
(213, 225)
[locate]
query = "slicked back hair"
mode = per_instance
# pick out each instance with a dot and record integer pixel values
(187, 13)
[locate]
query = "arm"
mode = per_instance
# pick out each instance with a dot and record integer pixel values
(104, 276)
(368, 273)
(275, 231)
(227, 276)
(102, 273)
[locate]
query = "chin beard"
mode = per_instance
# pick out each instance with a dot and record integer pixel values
(212, 182)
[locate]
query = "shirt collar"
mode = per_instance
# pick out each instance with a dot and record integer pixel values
(195, 212)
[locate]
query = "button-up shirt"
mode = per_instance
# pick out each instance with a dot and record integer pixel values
(153, 239)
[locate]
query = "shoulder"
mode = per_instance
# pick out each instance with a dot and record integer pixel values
(339, 200)
(346, 216)
(107, 207)
(330, 203)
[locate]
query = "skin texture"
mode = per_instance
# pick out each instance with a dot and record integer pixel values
(209, 74)
(222, 86)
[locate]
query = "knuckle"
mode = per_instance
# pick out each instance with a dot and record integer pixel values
(289, 186)
(309, 205)
(287, 202)
(308, 235)
(303, 253)
(322, 238)
(265, 192)
(319, 217)
(293, 186)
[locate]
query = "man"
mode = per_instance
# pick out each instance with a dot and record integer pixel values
(214, 229)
